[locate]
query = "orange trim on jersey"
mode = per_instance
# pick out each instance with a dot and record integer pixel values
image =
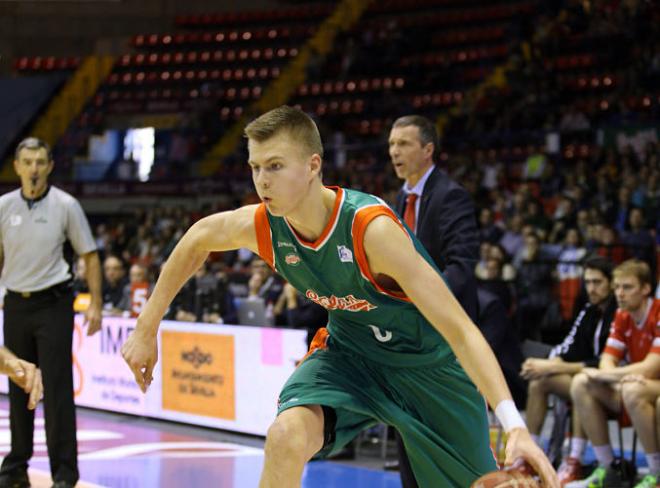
(360, 222)
(328, 227)
(264, 239)
(320, 341)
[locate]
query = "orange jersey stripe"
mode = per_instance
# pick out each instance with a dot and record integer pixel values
(264, 238)
(320, 341)
(360, 222)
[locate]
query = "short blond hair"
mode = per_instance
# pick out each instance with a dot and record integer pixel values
(297, 123)
(634, 267)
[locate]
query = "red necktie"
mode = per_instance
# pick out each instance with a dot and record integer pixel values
(409, 214)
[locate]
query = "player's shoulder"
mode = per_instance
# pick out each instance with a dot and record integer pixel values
(62, 196)
(356, 201)
(655, 309)
(10, 196)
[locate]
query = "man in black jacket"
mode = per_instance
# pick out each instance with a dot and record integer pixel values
(581, 348)
(441, 214)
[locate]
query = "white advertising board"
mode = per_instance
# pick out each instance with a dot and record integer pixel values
(222, 376)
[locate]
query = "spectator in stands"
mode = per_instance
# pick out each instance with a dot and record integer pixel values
(622, 209)
(635, 336)
(493, 282)
(580, 348)
(136, 291)
(204, 298)
(301, 313)
(639, 242)
(484, 254)
(533, 288)
(535, 163)
(497, 252)
(603, 199)
(536, 217)
(512, 240)
(264, 283)
(114, 281)
(488, 231)
(610, 246)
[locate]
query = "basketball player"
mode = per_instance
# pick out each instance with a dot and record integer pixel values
(398, 349)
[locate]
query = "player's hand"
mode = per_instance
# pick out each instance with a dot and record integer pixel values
(534, 368)
(521, 445)
(140, 351)
(634, 378)
(27, 376)
(93, 318)
(601, 376)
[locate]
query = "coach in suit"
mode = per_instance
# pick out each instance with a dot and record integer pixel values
(441, 214)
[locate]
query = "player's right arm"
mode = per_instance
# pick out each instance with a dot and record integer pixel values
(219, 232)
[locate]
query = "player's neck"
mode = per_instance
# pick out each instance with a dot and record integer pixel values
(312, 216)
(639, 315)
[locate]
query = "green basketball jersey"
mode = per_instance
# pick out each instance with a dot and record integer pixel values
(380, 324)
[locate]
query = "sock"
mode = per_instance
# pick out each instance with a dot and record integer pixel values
(653, 460)
(604, 455)
(578, 445)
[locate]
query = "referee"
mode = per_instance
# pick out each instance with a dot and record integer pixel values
(35, 221)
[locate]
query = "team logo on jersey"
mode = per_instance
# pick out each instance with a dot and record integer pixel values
(348, 303)
(345, 254)
(15, 220)
(292, 259)
(285, 244)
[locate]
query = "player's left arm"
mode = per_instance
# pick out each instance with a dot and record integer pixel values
(391, 252)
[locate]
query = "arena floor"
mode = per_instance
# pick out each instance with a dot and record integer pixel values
(129, 452)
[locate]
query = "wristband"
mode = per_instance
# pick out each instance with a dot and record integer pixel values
(508, 415)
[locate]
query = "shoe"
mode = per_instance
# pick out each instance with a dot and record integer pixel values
(15, 480)
(594, 480)
(648, 481)
(63, 484)
(391, 465)
(569, 470)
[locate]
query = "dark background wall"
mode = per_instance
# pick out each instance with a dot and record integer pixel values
(80, 27)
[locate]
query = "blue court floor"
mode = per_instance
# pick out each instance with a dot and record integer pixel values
(129, 452)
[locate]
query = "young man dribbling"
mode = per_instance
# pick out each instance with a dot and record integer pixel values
(395, 336)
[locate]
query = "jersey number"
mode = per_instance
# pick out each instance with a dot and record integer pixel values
(379, 335)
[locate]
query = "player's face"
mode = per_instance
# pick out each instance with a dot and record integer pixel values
(33, 167)
(410, 158)
(630, 293)
(597, 285)
(282, 172)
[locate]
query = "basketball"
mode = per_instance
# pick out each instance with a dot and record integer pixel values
(514, 477)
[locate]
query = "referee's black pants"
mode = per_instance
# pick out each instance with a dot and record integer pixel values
(39, 329)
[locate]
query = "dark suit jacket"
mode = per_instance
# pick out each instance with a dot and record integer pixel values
(447, 228)
(496, 327)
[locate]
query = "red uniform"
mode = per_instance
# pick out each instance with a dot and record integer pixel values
(632, 342)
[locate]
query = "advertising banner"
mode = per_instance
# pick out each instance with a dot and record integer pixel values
(198, 374)
(222, 376)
